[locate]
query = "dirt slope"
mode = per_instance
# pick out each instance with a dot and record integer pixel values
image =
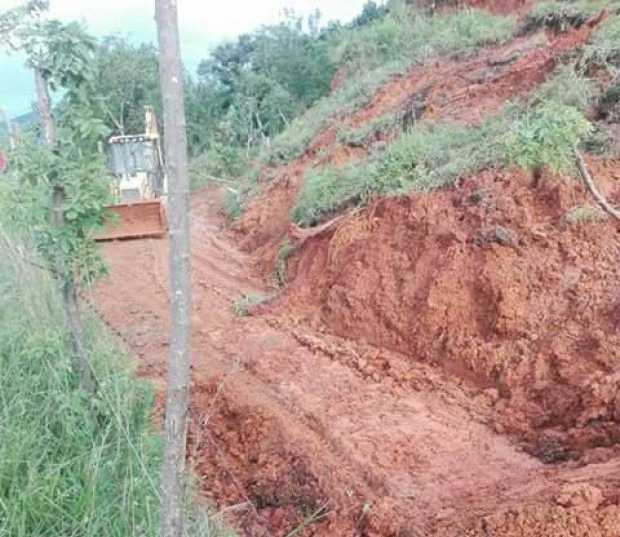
(440, 365)
(290, 420)
(448, 89)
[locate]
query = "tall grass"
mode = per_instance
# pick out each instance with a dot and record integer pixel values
(387, 47)
(70, 465)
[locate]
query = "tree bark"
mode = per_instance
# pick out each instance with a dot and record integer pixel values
(9, 128)
(70, 303)
(171, 80)
(44, 109)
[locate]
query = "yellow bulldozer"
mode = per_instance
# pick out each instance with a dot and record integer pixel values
(139, 185)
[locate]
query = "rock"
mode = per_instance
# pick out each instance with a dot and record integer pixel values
(581, 496)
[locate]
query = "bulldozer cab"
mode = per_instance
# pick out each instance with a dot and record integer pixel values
(135, 165)
(138, 184)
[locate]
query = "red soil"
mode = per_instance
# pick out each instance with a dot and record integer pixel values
(287, 420)
(441, 365)
(458, 90)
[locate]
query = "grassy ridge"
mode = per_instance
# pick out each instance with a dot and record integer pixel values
(539, 133)
(387, 47)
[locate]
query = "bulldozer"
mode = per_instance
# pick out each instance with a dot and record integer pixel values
(138, 185)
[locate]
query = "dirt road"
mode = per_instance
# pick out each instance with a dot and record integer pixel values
(291, 425)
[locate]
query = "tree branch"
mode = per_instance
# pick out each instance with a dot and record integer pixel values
(589, 182)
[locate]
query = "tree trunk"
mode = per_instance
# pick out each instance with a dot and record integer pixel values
(73, 320)
(71, 307)
(9, 128)
(44, 109)
(171, 80)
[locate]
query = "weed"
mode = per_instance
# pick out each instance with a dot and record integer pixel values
(242, 306)
(569, 87)
(431, 156)
(366, 134)
(546, 136)
(70, 464)
(603, 48)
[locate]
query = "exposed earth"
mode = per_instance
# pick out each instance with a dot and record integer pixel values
(440, 364)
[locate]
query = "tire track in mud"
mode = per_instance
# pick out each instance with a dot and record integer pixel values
(299, 420)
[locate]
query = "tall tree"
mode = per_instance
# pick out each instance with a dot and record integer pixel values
(171, 80)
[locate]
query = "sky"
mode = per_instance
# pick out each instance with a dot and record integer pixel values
(202, 25)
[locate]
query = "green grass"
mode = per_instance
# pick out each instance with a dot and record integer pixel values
(390, 46)
(70, 465)
(368, 133)
(537, 133)
(431, 156)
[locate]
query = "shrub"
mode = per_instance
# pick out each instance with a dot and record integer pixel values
(546, 136)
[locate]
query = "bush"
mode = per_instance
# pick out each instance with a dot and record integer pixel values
(546, 136)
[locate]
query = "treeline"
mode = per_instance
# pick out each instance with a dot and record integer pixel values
(243, 94)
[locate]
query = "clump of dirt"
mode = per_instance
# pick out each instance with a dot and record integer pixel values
(243, 455)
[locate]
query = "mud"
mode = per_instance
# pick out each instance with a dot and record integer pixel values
(291, 424)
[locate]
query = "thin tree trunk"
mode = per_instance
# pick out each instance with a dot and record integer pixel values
(70, 303)
(594, 191)
(44, 109)
(171, 79)
(71, 306)
(9, 128)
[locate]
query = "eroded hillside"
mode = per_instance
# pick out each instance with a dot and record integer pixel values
(439, 355)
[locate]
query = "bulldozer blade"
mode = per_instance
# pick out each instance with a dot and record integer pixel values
(138, 220)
